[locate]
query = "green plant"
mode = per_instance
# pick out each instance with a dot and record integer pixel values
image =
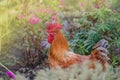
(9, 73)
(17, 15)
(115, 60)
(93, 26)
(22, 28)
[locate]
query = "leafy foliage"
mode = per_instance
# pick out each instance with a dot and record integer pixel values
(75, 72)
(87, 27)
(22, 28)
(17, 15)
(93, 26)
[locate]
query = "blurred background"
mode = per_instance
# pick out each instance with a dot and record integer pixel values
(23, 37)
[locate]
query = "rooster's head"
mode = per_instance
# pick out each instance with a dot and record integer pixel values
(52, 28)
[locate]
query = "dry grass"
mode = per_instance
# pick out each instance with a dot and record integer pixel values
(79, 73)
(76, 72)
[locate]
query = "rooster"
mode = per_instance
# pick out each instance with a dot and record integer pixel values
(59, 54)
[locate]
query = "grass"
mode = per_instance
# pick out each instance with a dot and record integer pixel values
(75, 72)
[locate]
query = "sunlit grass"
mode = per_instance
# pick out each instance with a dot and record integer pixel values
(10, 25)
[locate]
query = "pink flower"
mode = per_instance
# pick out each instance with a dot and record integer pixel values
(21, 16)
(115, 11)
(10, 74)
(44, 43)
(61, 3)
(39, 10)
(34, 19)
(82, 5)
(47, 10)
(96, 5)
(54, 18)
(60, 6)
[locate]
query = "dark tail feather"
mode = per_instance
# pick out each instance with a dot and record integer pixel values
(102, 43)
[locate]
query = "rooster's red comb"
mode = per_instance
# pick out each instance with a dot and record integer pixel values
(51, 27)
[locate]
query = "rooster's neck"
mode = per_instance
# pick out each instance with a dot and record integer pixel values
(59, 45)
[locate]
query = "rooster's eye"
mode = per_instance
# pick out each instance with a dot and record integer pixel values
(102, 51)
(106, 46)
